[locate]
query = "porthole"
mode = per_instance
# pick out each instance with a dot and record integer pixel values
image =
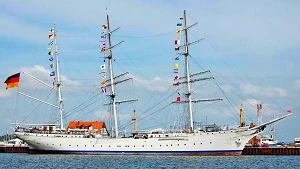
(210, 142)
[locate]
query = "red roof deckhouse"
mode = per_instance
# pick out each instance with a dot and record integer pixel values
(92, 125)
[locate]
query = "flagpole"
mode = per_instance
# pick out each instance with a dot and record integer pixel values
(17, 102)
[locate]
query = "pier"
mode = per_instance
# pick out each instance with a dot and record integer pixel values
(14, 149)
(271, 151)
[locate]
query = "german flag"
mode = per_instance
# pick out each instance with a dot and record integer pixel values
(12, 81)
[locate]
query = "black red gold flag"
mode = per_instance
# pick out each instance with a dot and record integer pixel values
(12, 81)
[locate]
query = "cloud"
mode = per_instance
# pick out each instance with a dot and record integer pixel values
(263, 91)
(156, 84)
(3, 92)
(43, 74)
(106, 116)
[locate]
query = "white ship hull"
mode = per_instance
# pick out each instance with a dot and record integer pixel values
(229, 142)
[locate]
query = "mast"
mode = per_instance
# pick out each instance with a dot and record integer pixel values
(112, 81)
(113, 101)
(187, 78)
(187, 74)
(58, 83)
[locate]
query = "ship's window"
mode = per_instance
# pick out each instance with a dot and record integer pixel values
(178, 144)
(171, 144)
(210, 142)
(59, 144)
(69, 145)
(212, 133)
(101, 145)
(84, 145)
(151, 145)
(167, 145)
(167, 135)
(185, 144)
(207, 133)
(94, 146)
(77, 145)
(109, 146)
(47, 135)
(201, 143)
(159, 145)
(194, 143)
(41, 135)
(142, 145)
(158, 135)
(71, 136)
(134, 146)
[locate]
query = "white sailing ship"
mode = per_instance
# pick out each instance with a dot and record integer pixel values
(186, 142)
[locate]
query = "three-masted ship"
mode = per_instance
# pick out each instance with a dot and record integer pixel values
(93, 138)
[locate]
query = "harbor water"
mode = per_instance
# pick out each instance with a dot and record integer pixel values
(10, 160)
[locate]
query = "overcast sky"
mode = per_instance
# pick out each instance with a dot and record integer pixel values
(251, 47)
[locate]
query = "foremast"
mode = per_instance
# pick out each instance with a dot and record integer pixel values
(56, 83)
(111, 80)
(187, 76)
(57, 79)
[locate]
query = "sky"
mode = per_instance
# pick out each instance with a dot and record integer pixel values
(250, 47)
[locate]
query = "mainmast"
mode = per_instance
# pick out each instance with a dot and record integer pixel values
(187, 73)
(58, 82)
(112, 95)
(112, 81)
(187, 78)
